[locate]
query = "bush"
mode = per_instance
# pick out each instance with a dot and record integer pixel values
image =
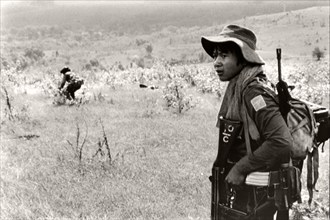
(140, 42)
(149, 48)
(34, 54)
(176, 97)
(140, 62)
(318, 53)
(4, 63)
(94, 62)
(20, 63)
(202, 57)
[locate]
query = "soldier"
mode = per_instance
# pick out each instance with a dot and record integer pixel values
(70, 83)
(264, 141)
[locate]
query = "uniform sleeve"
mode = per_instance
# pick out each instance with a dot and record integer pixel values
(275, 137)
(63, 82)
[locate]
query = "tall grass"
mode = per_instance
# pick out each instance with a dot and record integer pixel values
(155, 163)
(159, 169)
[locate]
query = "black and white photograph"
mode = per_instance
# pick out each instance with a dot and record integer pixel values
(164, 110)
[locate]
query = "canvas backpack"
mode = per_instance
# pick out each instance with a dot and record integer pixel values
(300, 121)
(302, 125)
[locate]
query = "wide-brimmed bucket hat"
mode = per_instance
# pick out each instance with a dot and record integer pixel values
(65, 69)
(242, 36)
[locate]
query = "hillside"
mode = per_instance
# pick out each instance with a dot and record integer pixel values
(297, 32)
(138, 17)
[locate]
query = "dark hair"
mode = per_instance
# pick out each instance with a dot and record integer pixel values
(232, 47)
(65, 70)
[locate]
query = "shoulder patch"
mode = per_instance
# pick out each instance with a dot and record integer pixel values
(258, 103)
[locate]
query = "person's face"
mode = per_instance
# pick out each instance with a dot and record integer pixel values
(226, 64)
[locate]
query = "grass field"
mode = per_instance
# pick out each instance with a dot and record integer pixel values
(156, 165)
(159, 165)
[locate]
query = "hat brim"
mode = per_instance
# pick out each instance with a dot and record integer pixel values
(210, 43)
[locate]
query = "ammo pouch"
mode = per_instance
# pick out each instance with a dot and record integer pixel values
(284, 186)
(281, 188)
(295, 185)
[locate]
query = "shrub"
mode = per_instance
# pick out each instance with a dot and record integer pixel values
(94, 62)
(11, 112)
(318, 53)
(4, 63)
(149, 48)
(202, 57)
(140, 42)
(34, 54)
(140, 62)
(121, 67)
(176, 97)
(21, 63)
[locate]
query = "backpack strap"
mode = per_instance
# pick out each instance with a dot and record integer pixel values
(246, 129)
(300, 125)
(250, 127)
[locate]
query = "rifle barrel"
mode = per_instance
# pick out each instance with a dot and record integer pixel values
(278, 53)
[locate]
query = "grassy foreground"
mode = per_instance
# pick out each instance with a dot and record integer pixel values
(153, 164)
(158, 170)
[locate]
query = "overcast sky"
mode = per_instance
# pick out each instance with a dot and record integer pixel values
(67, 2)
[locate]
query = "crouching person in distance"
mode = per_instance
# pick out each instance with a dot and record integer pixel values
(253, 134)
(70, 83)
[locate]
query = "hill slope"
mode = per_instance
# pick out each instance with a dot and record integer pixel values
(146, 17)
(296, 32)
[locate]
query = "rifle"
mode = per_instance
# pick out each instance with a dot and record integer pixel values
(314, 114)
(282, 88)
(221, 204)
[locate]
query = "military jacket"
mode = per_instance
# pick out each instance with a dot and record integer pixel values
(69, 77)
(273, 146)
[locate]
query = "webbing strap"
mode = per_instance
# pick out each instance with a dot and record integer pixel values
(250, 128)
(246, 131)
(300, 125)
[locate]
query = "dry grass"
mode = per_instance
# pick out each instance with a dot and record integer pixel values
(159, 168)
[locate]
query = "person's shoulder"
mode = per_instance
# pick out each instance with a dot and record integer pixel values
(260, 88)
(70, 74)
